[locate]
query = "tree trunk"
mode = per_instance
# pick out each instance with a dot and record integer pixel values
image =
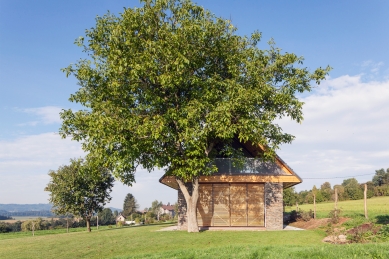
(67, 224)
(88, 224)
(191, 203)
(97, 221)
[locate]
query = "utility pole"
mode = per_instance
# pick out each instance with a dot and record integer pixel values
(336, 202)
(314, 206)
(33, 227)
(365, 198)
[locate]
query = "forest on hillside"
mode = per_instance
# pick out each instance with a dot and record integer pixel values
(350, 189)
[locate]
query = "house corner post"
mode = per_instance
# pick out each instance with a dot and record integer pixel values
(274, 206)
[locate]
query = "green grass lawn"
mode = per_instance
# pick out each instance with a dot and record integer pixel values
(146, 242)
(378, 208)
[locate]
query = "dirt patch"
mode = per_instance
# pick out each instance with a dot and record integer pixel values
(316, 223)
(364, 228)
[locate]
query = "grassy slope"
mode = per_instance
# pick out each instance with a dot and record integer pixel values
(377, 206)
(145, 242)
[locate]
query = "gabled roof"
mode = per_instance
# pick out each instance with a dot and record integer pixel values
(120, 214)
(167, 207)
(279, 171)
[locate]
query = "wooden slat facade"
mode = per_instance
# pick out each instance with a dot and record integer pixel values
(221, 205)
(238, 206)
(205, 205)
(235, 204)
(255, 204)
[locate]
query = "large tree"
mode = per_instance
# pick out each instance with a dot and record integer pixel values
(79, 188)
(167, 83)
(130, 205)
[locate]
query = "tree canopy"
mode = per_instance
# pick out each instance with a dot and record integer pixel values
(79, 188)
(165, 82)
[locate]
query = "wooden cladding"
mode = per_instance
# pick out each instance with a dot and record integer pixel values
(255, 204)
(232, 204)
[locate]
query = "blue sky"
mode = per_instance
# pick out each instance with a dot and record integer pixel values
(346, 118)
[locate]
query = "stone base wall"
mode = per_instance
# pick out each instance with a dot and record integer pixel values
(274, 206)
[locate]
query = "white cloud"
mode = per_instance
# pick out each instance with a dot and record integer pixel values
(371, 66)
(47, 114)
(25, 162)
(344, 132)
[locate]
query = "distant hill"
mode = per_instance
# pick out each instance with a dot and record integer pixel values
(26, 207)
(113, 209)
(40, 209)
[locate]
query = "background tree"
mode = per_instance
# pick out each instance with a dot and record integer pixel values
(79, 188)
(289, 197)
(352, 189)
(381, 177)
(326, 191)
(156, 208)
(168, 82)
(106, 217)
(342, 196)
(130, 205)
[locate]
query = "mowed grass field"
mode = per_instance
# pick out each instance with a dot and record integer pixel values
(378, 208)
(147, 242)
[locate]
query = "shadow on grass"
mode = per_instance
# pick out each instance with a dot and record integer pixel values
(382, 219)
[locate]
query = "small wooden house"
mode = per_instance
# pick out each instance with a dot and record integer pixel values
(249, 195)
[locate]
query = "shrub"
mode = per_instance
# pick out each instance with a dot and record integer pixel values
(334, 216)
(299, 216)
(363, 233)
(383, 233)
(5, 227)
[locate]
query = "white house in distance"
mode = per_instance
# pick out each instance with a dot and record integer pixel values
(167, 209)
(121, 218)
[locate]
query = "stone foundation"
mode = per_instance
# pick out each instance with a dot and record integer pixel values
(274, 208)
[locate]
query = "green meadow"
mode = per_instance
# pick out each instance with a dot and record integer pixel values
(147, 242)
(377, 207)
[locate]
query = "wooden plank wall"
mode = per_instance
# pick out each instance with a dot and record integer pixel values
(233, 204)
(221, 201)
(255, 204)
(205, 205)
(238, 204)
